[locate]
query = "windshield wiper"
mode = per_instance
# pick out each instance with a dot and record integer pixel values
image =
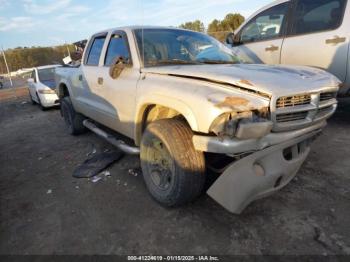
(217, 62)
(174, 62)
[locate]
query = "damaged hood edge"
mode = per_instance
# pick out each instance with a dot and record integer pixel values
(263, 80)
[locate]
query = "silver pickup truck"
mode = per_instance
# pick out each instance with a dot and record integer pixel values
(190, 106)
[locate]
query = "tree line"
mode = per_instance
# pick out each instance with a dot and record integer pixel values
(24, 57)
(217, 28)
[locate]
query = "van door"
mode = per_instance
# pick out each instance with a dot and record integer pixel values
(318, 36)
(260, 40)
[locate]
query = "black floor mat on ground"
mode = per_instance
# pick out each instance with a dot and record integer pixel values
(93, 166)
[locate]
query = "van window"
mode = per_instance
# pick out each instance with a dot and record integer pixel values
(117, 47)
(267, 25)
(314, 16)
(95, 51)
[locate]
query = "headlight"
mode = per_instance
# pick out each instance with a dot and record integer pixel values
(245, 125)
(46, 91)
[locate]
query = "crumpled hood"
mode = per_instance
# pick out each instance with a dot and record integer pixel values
(269, 79)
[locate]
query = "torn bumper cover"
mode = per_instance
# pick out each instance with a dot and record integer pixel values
(229, 146)
(263, 172)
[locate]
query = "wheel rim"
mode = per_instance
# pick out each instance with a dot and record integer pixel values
(160, 165)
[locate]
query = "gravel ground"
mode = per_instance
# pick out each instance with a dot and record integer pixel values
(44, 210)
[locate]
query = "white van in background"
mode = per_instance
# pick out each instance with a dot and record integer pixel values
(298, 32)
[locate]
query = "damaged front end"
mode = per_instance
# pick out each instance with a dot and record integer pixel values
(262, 160)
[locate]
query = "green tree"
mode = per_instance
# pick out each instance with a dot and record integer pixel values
(219, 29)
(232, 21)
(196, 25)
(19, 57)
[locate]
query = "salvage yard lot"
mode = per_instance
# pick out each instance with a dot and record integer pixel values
(44, 210)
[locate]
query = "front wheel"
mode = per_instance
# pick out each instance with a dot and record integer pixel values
(73, 120)
(174, 172)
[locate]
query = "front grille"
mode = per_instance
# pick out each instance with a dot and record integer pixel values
(327, 96)
(324, 111)
(298, 111)
(290, 101)
(282, 118)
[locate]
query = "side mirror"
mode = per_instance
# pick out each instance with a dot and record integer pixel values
(230, 39)
(30, 80)
(117, 67)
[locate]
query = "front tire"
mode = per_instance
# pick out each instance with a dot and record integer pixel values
(73, 120)
(174, 172)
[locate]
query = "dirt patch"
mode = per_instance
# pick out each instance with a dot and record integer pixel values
(10, 94)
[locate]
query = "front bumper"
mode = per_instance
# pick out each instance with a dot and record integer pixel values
(48, 100)
(260, 174)
(229, 146)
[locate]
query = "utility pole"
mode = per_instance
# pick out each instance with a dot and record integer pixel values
(7, 67)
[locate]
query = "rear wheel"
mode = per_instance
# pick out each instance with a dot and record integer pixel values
(73, 120)
(174, 172)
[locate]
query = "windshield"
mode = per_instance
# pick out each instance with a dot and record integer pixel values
(174, 46)
(47, 77)
(47, 74)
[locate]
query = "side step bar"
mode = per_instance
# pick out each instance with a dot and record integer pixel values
(111, 139)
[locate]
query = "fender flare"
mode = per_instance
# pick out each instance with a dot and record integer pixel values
(169, 102)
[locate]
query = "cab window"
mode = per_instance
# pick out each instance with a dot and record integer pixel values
(117, 48)
(267, 25)
(316, 16)
(95, 51)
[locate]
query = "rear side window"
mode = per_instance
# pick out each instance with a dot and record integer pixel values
(117, 47)
(95, 51)
(266, 25)
(315, 16)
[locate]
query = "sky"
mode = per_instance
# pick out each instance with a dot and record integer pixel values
(54, 22)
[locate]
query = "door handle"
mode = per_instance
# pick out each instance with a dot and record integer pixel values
(271, 48)
(335, 40)
(100, 80)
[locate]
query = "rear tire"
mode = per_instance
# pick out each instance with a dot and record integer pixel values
(73, 120)
(174, 172)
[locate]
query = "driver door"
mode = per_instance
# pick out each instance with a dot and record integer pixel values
(121, 91)
(261, 39)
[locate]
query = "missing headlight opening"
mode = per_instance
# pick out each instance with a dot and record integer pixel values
(243, 125)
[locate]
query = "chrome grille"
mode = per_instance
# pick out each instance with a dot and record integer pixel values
(301, 110)
(290, 101)
(327, 96)
(324, 111)
(282, 118)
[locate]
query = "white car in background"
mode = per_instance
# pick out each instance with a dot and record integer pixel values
(41, 85)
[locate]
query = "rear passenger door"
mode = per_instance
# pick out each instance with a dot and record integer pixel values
(260, 40)
(318, 36)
